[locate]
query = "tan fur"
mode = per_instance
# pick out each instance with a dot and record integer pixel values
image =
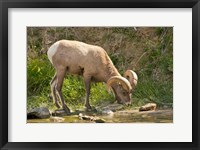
(78, 58)
(52, 50)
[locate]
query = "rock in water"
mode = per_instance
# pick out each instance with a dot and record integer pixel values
(110, 107)
(147, 107)
(99, 120)
(39, 113)
(91, 118)
(56, 119)
(60, 113)
(107, 112)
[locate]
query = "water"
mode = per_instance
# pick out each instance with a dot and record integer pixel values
(127, 116)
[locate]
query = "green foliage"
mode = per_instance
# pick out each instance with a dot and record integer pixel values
(99, 94)
(151, 91)
(148, 51)
(42, 100)
(39, 74)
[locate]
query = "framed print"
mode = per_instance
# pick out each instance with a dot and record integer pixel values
(104, 74)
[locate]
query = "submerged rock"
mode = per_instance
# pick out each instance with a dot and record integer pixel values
(111, 107)
(39, 113)
(91, 118)
(99, 120)
(60, 113)
(56, 119)
(147, 107)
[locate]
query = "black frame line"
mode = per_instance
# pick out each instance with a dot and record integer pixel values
(6, 4)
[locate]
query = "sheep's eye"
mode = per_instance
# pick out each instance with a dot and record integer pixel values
(124, 93)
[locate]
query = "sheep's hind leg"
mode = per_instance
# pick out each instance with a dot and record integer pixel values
(60, 78)
(53, 91)
(87, 80)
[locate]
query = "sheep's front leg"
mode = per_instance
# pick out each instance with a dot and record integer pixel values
(60, 78)
(87, 80)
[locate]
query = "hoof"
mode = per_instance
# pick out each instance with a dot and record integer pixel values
(91, 109)
(67, 110)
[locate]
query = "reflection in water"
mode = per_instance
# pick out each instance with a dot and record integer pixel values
(159, 116)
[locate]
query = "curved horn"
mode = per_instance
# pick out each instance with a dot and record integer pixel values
(123, 81)
(132, 77)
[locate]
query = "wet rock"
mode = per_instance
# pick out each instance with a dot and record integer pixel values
(56, 119)
(165, 107)
(127, 112)
(107, 112)
(91, 118)
(111, 107)
(148, 107)
(60, 113)
(93, 109)
(99, 120)
(161, 113)
(39, 113)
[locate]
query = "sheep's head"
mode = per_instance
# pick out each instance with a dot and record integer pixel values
(132, 77)
(121, 88)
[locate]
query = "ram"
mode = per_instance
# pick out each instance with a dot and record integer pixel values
(91, 62)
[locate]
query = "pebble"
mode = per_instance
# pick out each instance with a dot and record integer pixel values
(148, 107)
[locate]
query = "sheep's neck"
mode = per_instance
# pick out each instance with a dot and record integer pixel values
(112, 71)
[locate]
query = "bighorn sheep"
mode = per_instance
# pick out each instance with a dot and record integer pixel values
(91, 62)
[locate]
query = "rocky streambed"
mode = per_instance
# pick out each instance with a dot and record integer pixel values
(112, 113)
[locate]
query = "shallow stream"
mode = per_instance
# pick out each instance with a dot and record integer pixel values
(125, 116)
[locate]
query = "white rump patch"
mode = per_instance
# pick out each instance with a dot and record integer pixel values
(52, 50)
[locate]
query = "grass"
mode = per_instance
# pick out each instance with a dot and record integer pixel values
(154, 69)
(73, 90)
